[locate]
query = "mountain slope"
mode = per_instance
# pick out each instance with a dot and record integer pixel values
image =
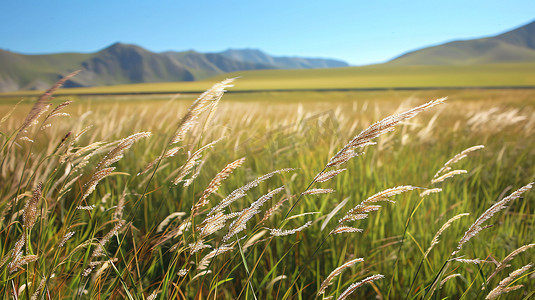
(257, 56)
(517, 45)
(124, 64)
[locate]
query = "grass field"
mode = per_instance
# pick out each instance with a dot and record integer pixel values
(135, 236)
(367, 77)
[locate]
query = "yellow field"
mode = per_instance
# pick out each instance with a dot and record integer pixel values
(367, 77)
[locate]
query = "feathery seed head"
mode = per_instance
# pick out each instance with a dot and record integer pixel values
(241, 192)
(95, 179)
(280, 232)
(500, 205)
(216, 182)
(456, 158)
(117, 153)
(328, 281)
(30, 209)
(448, 175)
(502, 286)
(355, 286)
(317, 191)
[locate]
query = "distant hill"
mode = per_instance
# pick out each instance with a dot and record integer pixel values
(124, 64)
(517, 45)
(282, 62)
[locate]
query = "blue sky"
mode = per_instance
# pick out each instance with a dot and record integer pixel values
(359, 32)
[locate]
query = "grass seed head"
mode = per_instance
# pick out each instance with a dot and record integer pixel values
(356, 285)
(280, 232)
(477, 227)
(328, 281)
(30, 209)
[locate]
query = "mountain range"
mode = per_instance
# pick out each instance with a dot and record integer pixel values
(123, 63)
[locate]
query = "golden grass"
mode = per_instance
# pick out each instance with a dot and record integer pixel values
(104, 230)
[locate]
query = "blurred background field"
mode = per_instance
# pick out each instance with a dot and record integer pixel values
(380, 77)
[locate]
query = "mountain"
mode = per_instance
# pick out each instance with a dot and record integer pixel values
(123, 64)
(517, 45)
(257, 56)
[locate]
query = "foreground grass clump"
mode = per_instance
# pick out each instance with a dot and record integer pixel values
(240, 200)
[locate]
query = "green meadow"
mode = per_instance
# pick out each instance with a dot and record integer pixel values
(93, 206)
(367, 77)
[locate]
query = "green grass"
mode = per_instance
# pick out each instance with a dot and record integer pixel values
(367, 77)
(273, 130)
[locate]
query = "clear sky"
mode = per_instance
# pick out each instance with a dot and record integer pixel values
(359, 32)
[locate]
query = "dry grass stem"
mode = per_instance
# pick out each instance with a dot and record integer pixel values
(322, 177)
(435, 240)
(216, 182)
(430, 191)
(503, 264)
(252, 240)
(153, 295)
(345, 229)
(38, 290)
(198, 246)
(317, 191)
(344, 157)
(474, 261)
(203, 264)
(303, 214)
(273, 209)
(241, 192)
(169, 153)
(21, 260)
(448, 175)
(361, 211)
(328, 281)
(246, 214)
(333, 212)
(193, 160)
(42, 104)
(95, 179)
(117, 153)
(443, 281)
(99, 250)
(500, 205)
(168, 219)
(356, 285)
(30, 209)
(280, 232)
(215, 222)
(198, 107)
(502, 286)
(89, 207)
(66, 237)
(456, 158)
(275, 280)
(200, 274)
(379, 128)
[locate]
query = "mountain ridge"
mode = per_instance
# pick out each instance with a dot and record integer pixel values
(516, 45)
(121, 63)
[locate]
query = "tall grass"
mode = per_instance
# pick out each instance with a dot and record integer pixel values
(216, 200)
